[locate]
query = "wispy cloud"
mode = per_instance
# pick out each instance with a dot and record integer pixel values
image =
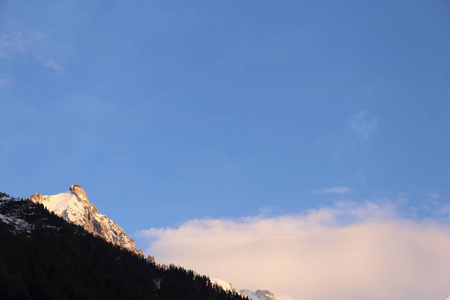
(18, 40)
(357, 129)
(434, 196)
(51, 64)
(11, 43)
(4, 81)
(333, 190)
(22, 40)
(349, 251)
(362, 125)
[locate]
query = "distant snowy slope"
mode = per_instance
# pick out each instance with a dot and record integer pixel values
(253, 295)
(259, 294)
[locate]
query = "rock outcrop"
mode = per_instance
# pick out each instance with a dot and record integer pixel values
(36, 198)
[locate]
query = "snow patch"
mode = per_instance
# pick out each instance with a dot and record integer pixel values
(19, 225)
(66, 205)
(157, 283)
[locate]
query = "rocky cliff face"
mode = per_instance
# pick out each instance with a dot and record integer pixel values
(74, 207)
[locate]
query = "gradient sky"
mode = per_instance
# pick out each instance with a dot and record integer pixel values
(170, 111)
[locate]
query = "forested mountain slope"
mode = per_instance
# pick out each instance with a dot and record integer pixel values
(44, 257)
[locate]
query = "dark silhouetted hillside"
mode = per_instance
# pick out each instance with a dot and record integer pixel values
(44, 257)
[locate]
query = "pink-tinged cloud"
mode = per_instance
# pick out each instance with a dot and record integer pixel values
(349, 252)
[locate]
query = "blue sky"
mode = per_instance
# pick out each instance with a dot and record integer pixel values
(219, 109)
(168, 111)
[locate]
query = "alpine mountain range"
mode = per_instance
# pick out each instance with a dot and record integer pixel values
(74, 207)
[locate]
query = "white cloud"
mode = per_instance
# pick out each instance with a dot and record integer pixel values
(362, 125)
(334, 190)
(349, 251)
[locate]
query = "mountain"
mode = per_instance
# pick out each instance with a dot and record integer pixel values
(42, 256)
(253, 295)
(74, 206)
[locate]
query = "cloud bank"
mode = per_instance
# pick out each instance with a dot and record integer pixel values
(350, 251)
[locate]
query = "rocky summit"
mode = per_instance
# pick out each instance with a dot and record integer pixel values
(74, 207)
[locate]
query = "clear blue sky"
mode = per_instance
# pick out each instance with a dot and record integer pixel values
(166, 111)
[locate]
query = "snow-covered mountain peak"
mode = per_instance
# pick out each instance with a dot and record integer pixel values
(74, 207)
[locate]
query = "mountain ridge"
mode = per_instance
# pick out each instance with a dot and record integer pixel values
(43, 256)
(74, 207)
